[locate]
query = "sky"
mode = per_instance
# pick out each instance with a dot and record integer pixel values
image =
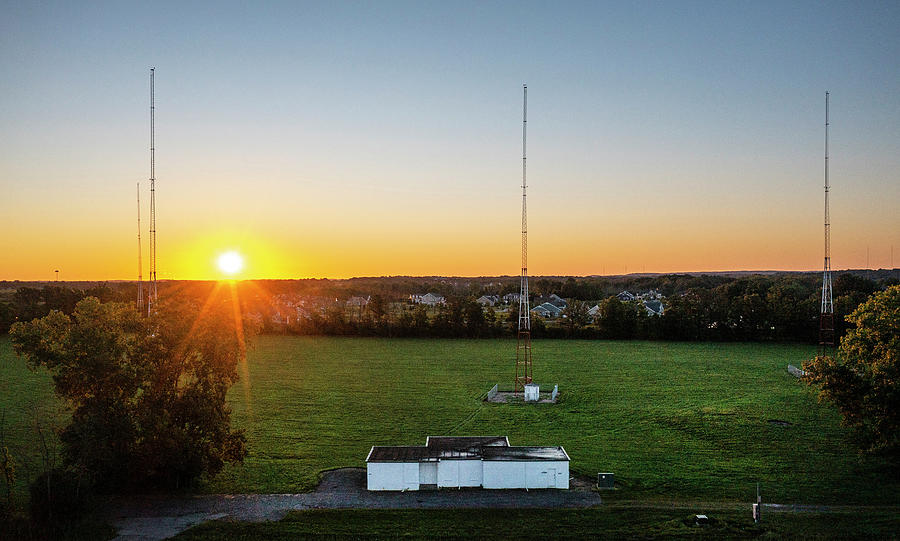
(341, 139)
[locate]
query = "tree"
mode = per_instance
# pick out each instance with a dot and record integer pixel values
(863, 380)
(794, 308)
(7, 464)
(377, 306)
(147, 394)
(577, 316)
(619, 320)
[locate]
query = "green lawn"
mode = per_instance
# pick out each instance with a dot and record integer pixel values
(601, 522)
(671, 420)
(26, 403)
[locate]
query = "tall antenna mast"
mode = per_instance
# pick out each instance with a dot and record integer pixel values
(523, 343)
(153, 295)
(826, 317)
(140, 282)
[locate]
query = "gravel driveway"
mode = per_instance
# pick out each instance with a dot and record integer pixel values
(160, 517)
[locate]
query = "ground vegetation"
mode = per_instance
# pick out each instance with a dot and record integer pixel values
(594, 523)
(862, 378)
(145, 395)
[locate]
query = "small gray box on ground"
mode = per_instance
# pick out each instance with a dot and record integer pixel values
(606, 480)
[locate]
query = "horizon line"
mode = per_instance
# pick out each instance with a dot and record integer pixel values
(373, 277)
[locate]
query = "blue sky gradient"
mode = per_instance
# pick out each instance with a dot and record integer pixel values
(367, 138)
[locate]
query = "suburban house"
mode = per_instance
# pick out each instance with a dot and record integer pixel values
(652, 295)
(547, 310)
(654, 307)
(511, 298)
(488, 300)
(594, 310)
(553, 299)
(428, 299)
(471, 461)
(626, 296)
(358, 301)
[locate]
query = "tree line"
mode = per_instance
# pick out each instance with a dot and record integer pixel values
(779, 307)
(753, 308)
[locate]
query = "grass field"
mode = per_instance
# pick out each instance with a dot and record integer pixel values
(595, 523)
(26, 403)
(673, 421)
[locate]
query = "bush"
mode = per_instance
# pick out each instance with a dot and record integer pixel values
(59, 499)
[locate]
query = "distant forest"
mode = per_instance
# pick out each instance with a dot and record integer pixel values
(696, 307)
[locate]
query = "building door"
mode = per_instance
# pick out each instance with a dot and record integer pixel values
(551, 477)
(428, 473)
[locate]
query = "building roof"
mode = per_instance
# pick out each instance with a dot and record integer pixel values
(465, 442)
(469, 447)
(416, 453)
(654, 306)
(525, 453)
(625, 296)
(547, 308)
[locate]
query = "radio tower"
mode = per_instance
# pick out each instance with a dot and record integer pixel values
(523, 343)
(153, 294)
(140, 284)
(826, 317)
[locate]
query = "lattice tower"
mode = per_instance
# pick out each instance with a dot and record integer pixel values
(140, 281)
(153, 293)
(523, 342)
(826, 315)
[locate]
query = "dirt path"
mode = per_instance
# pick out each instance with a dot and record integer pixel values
(160, 517)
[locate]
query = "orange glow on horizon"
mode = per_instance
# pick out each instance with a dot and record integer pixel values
(415, 243)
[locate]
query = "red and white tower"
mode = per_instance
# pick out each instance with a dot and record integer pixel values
(826, 314)
(523, 343)
(153, 294)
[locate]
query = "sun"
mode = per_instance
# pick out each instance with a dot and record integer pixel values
(230, 262)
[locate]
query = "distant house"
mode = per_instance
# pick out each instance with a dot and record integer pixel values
(285, 309)
(625, 296)
(594, 310)
(488, 300)
(553, 299)
(358, 301)
(511, 298)
(654, 307)
(428, 299)
(547, 310)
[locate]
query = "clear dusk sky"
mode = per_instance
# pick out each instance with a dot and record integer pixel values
(339, 139)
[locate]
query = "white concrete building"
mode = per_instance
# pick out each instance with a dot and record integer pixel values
(456, 462)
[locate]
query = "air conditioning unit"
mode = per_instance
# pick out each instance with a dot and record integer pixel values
(606, 480)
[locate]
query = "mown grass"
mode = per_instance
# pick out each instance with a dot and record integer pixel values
(603, 523)
(27, 404)
(673, 421)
